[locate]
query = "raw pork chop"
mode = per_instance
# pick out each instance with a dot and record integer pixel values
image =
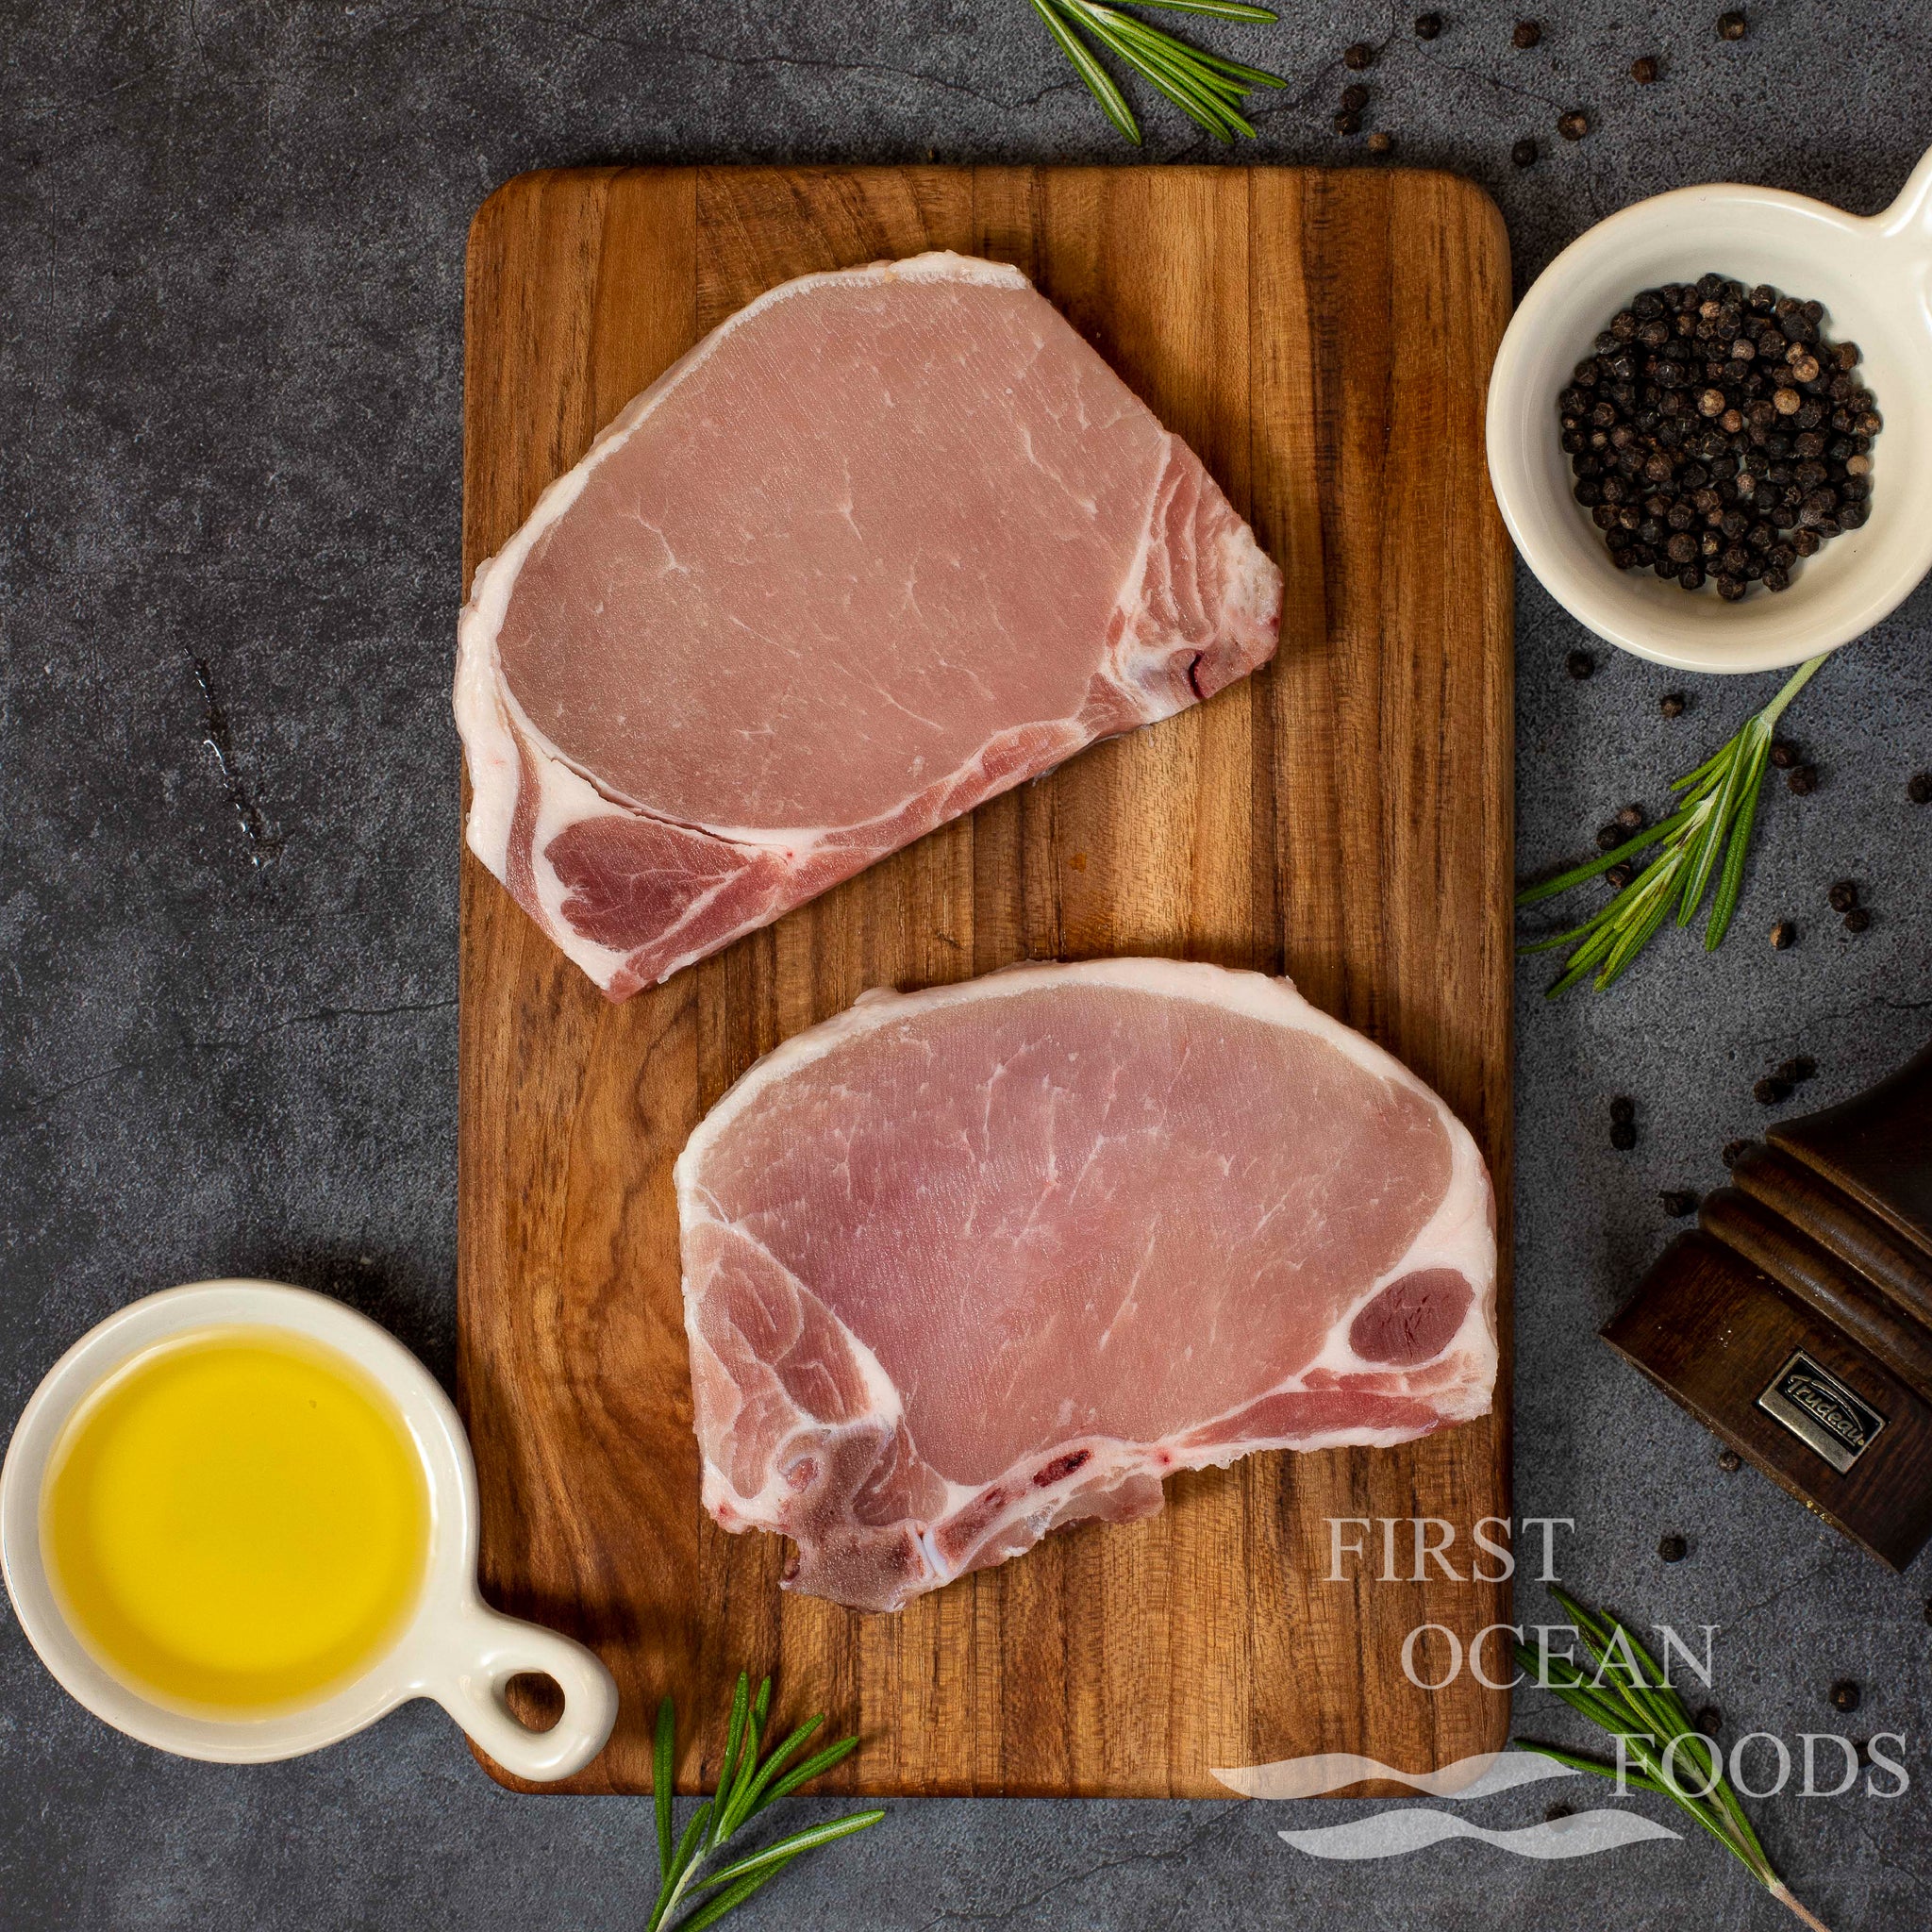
(887, 542)
(964, 1265)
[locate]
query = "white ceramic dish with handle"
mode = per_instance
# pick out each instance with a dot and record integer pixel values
(454, 1648)
(1874, 276)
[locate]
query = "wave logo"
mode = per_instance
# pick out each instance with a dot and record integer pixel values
(1414, 1828)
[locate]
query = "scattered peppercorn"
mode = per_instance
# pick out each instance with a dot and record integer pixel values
(1784, 754)
(1644, 71)
(1553, 1813)
(1713, 433)
(1623, 1136)
(1631, 818)
(1671, 704)
(1798, 1069)
(1678, 1202)
(1784, 934)
(1734, 1152)
(1346, 123)
(1623, 1107)
(1524, 155)
(1619, 875)
(1355, 97)
(1381, 141)
(1846, 1695)
(1527, 33)
(1770, 1090)
(1359, 56)
(1672, 1549)
(1574, 125)
(1843, 895)
(1858, 920)
(1918, 787)
(1730, 27)
(1610, 836)
(1710, 1719)
(1427, 25)
(1579, 664)
(1803, 779)
(1730, 1461)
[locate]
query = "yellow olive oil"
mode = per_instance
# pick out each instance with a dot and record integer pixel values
(236, 1520)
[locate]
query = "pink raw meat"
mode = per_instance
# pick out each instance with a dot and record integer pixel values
(964, 1265)
(887, 542)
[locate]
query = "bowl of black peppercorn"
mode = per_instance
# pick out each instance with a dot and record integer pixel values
(1710, 429)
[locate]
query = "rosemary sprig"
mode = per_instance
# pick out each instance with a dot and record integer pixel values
(1716, 810)
(746, 1786)
(1210, 91)
(1628, 1696)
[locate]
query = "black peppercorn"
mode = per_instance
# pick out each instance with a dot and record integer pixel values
(1842, 896)
(1579, 664)
(1771, 1090)
(1801, 1066)
(1631, 818)
(1678, 1202)
(1623, 1109)
(1783, 933)
(1846, 1695)
(1427, 25)
(1784, 754)
(1858, 920)
(1355, 97)
(1622, 1136)
(1644, 71)
(1803, 779)
(1610, 836)
(1359, 57)
(1526, 34)
(1734, 1151)
(1710, 1719)
(1730, 1462)
(1918, 787)
(1673, 1548)
(1346, 123)
(1730, 27)
(1574, 125)
(1671, 704)
(1381, 141)
(1524, 153)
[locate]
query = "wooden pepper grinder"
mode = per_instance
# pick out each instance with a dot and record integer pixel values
(1796, 1319)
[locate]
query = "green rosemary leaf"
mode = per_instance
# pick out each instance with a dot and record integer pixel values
(1154, 55)
(752, 1799)
(729, 1900)
(1221, 9)
(663, 1760)
(814, 1766)
(804, 1841)
(734, 1744)
(1730, 884)
(1651, 835)
(1640, 1779)
(1099, 82)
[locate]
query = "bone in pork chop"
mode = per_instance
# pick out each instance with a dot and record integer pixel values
(964, 1265)
(887, 542)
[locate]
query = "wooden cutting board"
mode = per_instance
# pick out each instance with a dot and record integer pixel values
(1322, 341)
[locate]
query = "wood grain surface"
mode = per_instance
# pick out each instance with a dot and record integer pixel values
(1322, 341)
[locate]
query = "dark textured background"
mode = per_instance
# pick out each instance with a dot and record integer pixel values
(231, 251)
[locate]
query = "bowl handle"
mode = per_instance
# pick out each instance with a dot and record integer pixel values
(477, 1655)
(1909, 218)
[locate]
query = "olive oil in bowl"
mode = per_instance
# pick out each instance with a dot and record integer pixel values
(236, 1522)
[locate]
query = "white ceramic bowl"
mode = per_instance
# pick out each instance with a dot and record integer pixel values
(1874, 278)
(455, 1649)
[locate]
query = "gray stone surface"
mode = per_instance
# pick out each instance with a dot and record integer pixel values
(231, 254)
